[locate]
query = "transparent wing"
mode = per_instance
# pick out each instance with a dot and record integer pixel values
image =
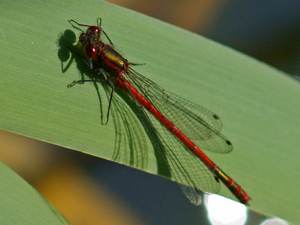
(130, 146)
(174, 161)
(197, 122)
(185, 168)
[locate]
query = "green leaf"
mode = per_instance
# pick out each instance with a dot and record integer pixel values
(259, 105)
(21, 204)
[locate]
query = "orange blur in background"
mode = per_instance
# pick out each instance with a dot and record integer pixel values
(58, 176)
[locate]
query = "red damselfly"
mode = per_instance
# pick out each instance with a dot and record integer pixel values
(191, 125)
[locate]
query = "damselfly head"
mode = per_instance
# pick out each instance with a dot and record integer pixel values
(93, 34)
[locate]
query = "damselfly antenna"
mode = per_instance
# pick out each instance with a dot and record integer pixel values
(99, 21)
(92, 31)
(73, 22)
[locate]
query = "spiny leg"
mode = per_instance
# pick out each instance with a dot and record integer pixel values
(136, 64)
(110, 100)
(82, 81)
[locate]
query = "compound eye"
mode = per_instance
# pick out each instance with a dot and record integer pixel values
(97, 33)
(93, 30)
(93, 33)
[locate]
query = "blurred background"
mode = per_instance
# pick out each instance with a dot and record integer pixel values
(92, 191)
(268, 30)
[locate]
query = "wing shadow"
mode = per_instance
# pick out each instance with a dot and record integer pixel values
(132, 125)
